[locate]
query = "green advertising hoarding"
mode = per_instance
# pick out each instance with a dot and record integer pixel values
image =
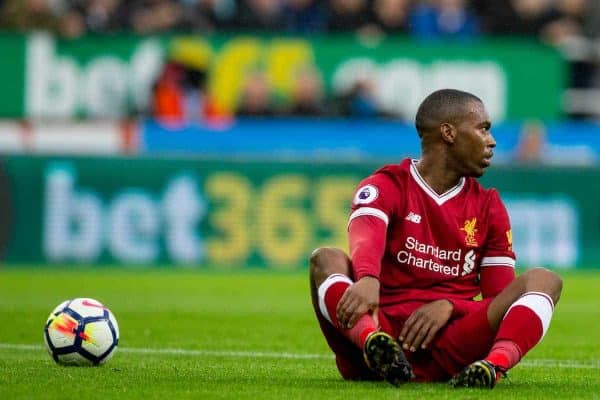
(112, 76)
(226, 214)
(12, 71)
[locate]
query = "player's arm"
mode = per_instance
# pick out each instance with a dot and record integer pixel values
(497, 267)
(367, 231)
(367, 245)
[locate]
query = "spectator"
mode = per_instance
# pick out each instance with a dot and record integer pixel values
(513, 17)
(208, 15)
(260, 16)
(304, 16)
(592, 30)
(359, 100)
(391, 16)
(28, 15)
(72, 24)
(443, 19)
(105, 16)
(94, 16)
(566, 21)
(347, 15)
(592, 20)
(307, 97)
(532, 141)
(565, 29)
(256, 99)
(152, 16)
(179, 94)
(535, 148)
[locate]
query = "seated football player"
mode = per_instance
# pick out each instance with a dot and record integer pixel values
(428, 291)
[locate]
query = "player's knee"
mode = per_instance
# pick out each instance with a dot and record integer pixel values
(320, 258)
(325, 261)
(546, 281)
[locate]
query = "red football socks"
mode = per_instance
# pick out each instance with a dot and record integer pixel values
(330, 293)
(359, 333)
(504, 354)
(523, 326)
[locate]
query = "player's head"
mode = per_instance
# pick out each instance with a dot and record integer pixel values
(455, 125)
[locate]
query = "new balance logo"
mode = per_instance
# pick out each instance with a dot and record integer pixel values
(412, 217)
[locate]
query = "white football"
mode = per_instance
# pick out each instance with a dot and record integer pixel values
(81, 331)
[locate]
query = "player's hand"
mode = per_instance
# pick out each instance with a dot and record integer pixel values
(360, 298)
(422, 325)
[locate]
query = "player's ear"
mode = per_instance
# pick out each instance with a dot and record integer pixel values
(448, 132)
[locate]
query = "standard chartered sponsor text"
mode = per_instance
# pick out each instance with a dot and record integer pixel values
(416, 252)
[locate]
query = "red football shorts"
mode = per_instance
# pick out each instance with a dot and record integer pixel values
(461, 342)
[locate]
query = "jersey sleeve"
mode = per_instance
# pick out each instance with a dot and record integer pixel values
(372, 209)
(498, 259)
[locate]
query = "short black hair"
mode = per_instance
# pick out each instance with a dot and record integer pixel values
(442, 106)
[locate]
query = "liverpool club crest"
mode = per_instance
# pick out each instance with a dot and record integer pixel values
(470, 230)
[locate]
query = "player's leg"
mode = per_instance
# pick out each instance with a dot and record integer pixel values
(329, 278)
(461, 342)
(520, 315)
(334, 263)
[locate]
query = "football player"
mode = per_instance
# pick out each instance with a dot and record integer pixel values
(428, 291)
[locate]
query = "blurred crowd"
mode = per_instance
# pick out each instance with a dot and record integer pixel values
(551, 20)
(179, 90)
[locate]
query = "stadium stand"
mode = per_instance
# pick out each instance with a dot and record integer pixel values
(570, 25)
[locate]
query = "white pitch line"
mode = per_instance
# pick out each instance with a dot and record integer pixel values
(555, 363)
(187, 352)
(224, 353)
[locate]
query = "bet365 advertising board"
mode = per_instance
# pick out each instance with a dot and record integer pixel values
(231, 215)
(109, 77)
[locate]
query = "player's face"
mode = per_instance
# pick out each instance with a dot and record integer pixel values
(474, 141)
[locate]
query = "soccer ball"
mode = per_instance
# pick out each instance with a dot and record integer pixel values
(81, 332)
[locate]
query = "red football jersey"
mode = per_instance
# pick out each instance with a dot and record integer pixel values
(436, 246)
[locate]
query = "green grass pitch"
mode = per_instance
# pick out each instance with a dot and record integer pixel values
(247, 335)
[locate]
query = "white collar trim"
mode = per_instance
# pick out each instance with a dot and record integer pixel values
(439, 199)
